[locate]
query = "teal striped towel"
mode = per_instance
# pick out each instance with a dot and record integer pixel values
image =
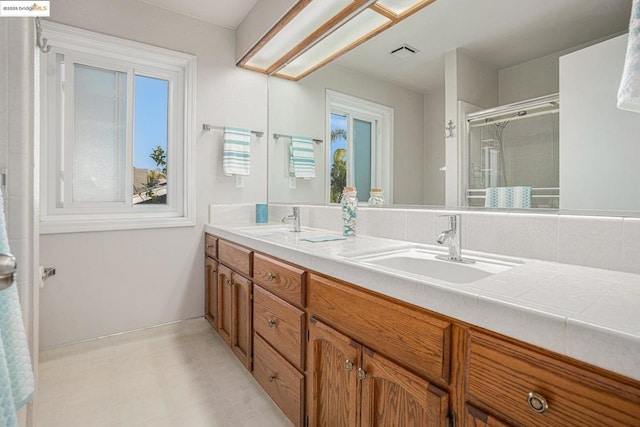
(236, 153)
(16, 374)
(629, 91)
(508, 197)
(302, 162)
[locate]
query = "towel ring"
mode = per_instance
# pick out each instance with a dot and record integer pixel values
(8, 267)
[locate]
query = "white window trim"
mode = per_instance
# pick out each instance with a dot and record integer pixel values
(183, 66)
(382, 149)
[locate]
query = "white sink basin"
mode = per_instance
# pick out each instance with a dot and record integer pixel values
(423, 262)
(261, 230)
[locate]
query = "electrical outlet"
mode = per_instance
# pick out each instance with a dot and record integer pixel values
(239, 181)
(292, 183)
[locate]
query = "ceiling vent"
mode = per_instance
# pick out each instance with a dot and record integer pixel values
(404, 51)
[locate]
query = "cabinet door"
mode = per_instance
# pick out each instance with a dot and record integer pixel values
(476, 418)
(211, 291)
(393, 396)
(225, 292)
(334, 390)
(241, 318)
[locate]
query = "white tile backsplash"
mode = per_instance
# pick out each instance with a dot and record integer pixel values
(592, 241)
(611, 243)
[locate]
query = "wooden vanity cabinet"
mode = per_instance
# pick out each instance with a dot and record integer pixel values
(211, 291)
(279, 323)
(529, 387)
(351, 382)
(233, 298)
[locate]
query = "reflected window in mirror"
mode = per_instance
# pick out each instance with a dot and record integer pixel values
(360, 134)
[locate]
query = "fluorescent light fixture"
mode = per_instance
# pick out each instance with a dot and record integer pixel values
(314, 32)
(363, 24)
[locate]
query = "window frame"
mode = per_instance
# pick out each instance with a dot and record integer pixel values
(381, 117)
(136, 59)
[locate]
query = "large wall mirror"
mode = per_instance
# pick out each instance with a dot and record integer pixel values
(459, 104)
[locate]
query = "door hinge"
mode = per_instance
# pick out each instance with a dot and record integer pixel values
(451, 419)
(251, 296)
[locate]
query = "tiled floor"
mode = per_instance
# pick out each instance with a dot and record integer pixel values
(175, 375)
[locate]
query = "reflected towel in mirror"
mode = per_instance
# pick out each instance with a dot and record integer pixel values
(302, 162)
(508, 197)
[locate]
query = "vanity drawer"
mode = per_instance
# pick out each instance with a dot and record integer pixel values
(280, 380)
(280, 324)
(211, 246)
(409, 336)
(501, 375)
(235, 256)
(284, 280)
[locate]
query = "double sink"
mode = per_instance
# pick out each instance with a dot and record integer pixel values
(413, 259)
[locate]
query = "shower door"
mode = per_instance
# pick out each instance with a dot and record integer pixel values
(514, 147)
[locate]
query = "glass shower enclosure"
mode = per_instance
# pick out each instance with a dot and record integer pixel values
(512, 155)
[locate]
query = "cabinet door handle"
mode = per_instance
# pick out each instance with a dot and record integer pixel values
(271, 277)
(209, 247)
(271, 323)
(537, 402)
(348, 365)
(272, 377)
(361, 374)
(228, 282)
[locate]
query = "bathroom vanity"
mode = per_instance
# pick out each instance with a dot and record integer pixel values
(336, 342)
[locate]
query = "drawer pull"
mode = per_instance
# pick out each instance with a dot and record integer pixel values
(271, 277)
(361, 374)
(271, 323)
(538, 403)
(348, 365)
(272, 377)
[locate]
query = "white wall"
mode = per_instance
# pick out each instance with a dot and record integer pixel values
(599, 148)
(466, 79)
(298, 108)
(434, 147)
(528, 80)
(109, 282)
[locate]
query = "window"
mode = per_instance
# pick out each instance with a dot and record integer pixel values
(361, 146)
(117, 120)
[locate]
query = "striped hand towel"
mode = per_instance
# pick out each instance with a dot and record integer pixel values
(236, 153)
(629, 91)
(508, 197)
(16, 374)
(301, 158)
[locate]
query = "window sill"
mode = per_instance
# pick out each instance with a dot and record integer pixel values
(79, 225)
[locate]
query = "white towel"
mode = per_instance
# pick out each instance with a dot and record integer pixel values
(629, 92)
(236, 153)
(508, 197)
(16, 373)
(301, 158)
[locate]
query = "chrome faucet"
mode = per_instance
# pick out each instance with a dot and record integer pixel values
(294, 219)
(451, 238)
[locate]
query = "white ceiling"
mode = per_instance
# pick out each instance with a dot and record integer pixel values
(499, 33)
(224, 13)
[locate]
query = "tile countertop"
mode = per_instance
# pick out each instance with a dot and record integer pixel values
(589, 314)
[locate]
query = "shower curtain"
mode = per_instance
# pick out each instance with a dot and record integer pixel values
(16, 374)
